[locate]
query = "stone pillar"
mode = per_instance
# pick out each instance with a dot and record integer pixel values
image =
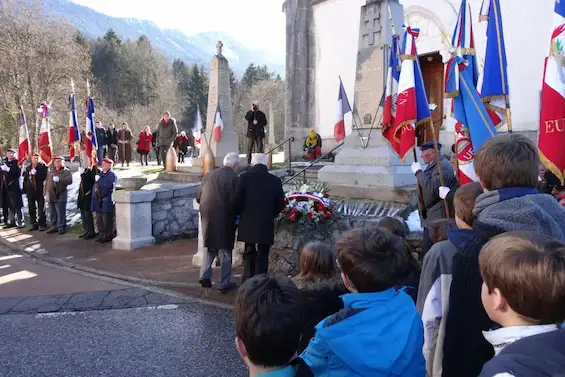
(300, 84)
(220, 89)
(133, 220)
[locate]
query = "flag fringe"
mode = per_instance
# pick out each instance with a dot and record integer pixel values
(400, 126)
(467, 51)
(411, 149)
(425, 120)
(552, 167)
(407, 57)
(451, 94)
(483, 18)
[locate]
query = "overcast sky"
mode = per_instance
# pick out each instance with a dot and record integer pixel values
(253, 22)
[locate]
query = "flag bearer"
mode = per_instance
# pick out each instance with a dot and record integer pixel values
(34, 181)
(103, 202)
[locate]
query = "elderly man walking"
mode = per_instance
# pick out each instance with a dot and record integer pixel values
(262, 199)
(218, 195)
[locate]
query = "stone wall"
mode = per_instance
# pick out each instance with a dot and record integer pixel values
(172, 212)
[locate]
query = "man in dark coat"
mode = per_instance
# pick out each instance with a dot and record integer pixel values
(112, 142)
(11, 173)
(218, 194)
(257, 121)
(34, 183)
(262, 199)
(103, 202)
(429, 180)
(101, 140)
(84, 203)
(56, 188)
(167, 131)
(155, 145)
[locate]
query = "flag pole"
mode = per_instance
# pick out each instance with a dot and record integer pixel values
(508, 113)
(438, 163)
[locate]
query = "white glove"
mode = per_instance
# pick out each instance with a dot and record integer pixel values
(416, 167)
(97, 178)
(443, 191)
(56, 179)
(5, 167)
(80, 170)
(32, 171)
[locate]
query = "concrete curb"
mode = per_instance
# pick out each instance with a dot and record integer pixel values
(75, 266)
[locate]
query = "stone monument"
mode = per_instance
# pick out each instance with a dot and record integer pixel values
(220, 90)
(366, 167)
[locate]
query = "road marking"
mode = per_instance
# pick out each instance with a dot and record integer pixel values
(62, 314)
(160, 307)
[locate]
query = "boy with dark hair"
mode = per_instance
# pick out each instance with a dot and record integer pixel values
(268, 323)
(524, 292)
(379, 331)
(507, 169)
(435, 280)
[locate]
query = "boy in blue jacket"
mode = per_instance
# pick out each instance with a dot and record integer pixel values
(379, 331)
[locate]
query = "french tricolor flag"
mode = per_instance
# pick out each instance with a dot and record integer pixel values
(218, 124)
(24, 149)
(44, 142)
(343, 107)
(197, 130)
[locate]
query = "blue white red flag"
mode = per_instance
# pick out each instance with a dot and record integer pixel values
(389, 106)
(468, 109)
(464, 40)
(197, 130)
(90, 143)
(24, 148)
(74, 134)
(552, 116)
(494, 86)
(343, 107)
(44, 140)
(218, 123)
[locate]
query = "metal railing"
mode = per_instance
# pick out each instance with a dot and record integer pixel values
(290, 140)
(312, 164)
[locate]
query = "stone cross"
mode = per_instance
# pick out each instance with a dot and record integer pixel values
(372, 26)
(219, 47)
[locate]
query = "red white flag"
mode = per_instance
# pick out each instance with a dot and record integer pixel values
(197, 131)
(343, 107)
(552, 117)
(24, 148)
(44, 143)
(218, 124)
(389, 108)
(465, 154)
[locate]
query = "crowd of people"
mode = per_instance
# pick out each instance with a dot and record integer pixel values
(490, 293)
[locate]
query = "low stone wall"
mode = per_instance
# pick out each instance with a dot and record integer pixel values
(291, 238)
(172, 212)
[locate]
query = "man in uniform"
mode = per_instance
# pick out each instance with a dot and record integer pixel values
(103, 203)
(56, 188)
(11, 173)
(34, 182)
(84, 202)
(429, 180)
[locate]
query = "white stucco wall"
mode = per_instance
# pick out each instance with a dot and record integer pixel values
(527, 29)
(337, 36)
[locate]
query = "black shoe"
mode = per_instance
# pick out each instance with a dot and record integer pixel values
(228, 288)
(34, 227)
(83, 234)
(52, 231)
(9, 226)
(62, 231)
(205, 283)
(89, 236)
(42, 228)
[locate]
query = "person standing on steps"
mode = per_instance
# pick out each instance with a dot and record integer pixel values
(11, 173)
(85, 202)
(112, 142)
(103, 202)
(101, 140)
(167, 131)
(155, 145)
(124, 144)
(257, 121)
(34, 183)
(58, 181)
(144, 144)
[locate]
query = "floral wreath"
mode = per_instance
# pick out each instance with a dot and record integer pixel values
(305, 206)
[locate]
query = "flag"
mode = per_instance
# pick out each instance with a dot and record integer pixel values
(494, 87)
(218, 124)
(74, 135)
(90, 144)
(552, 114)
(44, 143)
(465, 154)
(389, 106)
(468, 109)
(24, 149)
(197, 130)
(464, 40)
(343, 107)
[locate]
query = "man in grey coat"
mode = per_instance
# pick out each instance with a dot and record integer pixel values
(166, 133)
(218, 194)
(429, 180)
(56, 186)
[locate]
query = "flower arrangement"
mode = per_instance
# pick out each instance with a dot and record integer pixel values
(308, 203)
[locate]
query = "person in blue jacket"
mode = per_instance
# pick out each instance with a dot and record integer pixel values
(378, 332)
(103, 203)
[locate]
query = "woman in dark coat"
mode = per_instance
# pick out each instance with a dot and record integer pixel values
(181, 144)
(320, 285)
(124, 144)
(262, 199)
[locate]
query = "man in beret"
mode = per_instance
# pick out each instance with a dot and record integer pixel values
(34, 181)
(103, 203)
(58, 180)
(12, 196)
(428, 178)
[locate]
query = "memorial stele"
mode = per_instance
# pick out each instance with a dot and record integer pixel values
(365, 166)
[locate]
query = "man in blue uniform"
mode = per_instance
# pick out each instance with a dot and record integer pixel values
(103, 202)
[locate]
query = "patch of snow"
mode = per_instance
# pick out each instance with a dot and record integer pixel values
(413, 222)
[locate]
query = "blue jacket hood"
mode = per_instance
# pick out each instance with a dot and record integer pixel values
(384, 339)
(459, 236)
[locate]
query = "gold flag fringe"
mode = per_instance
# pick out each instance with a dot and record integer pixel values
(552, 167)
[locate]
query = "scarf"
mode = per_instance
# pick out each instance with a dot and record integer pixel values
(507, 335)
(312, 138)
